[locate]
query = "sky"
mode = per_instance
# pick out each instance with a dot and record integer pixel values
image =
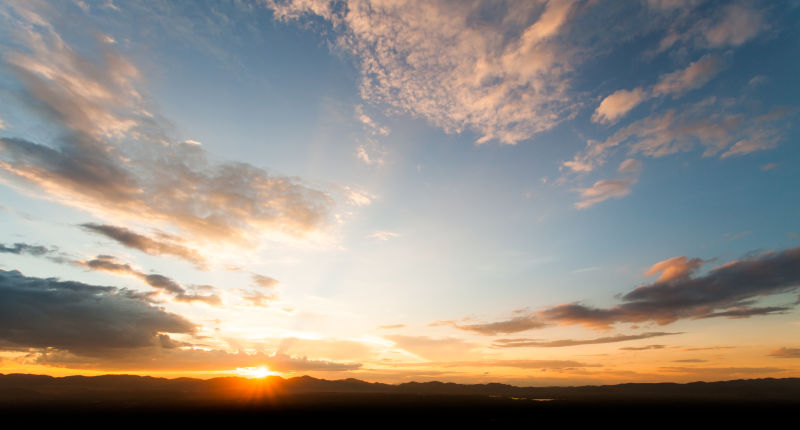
(537, 193)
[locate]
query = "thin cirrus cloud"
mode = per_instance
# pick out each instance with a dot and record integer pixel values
(785, 353)
(505, 79)
(115, 158)
(726, 27)
(731, 291)
(560, 343)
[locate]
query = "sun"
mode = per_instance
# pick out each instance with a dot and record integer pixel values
(258, 372)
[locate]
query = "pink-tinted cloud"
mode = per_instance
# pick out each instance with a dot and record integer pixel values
(505, 79)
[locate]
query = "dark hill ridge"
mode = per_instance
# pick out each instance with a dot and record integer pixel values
(22, 389)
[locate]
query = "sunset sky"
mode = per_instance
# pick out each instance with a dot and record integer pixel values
(529, 192)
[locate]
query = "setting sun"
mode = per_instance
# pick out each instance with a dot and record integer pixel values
(258, 372)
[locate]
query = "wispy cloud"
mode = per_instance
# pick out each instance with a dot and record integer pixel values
(383, 235)
(785, 353)
(605, 189)
(162, 283)
(717, 126)
(517, 343)
(163, 246)
(151, 178)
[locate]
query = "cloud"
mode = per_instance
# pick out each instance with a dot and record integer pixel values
(513, 325)
(721, 372)
(383, 235)
(642, 348)
(692, 77)
(503, 76)
(24, 248)
(618, 104)
(520, 364)
(728, 290)
(674, 268)
(146, 244)
(264, 281)
(731, 290)
(603, 190)
(728, 26)
(433, 348)
(187, 358)
(115, 159)
(391, 326)
(257, 298)
(785, 353)
(735, 25)
(109, 264)
(516, 343)
(716, 125)
(80, 318)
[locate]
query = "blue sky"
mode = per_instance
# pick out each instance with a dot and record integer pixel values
(440, 166)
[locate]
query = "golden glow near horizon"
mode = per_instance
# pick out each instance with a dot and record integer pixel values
(419, 190)
(258, 372)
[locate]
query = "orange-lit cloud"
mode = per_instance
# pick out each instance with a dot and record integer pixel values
(785, 353)
(729, 291)
(428, 58)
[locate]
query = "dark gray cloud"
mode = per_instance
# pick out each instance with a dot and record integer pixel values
(24, 248)
(81, 318)
(785, 353)
(642, 348)
(516, 343)
(728, 291)
(108, 263)
(748, 312)
(512, 325)
(144, 243)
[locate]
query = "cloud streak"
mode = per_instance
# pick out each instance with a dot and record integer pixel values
(144, 243)
(517, 343)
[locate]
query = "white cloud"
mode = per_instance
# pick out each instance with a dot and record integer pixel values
(716, 125)
(692, 77)
(383, 235)
(618, 104)
(503, 78)
(610, 188)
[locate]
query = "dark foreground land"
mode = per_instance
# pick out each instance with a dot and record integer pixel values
(96, 400)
